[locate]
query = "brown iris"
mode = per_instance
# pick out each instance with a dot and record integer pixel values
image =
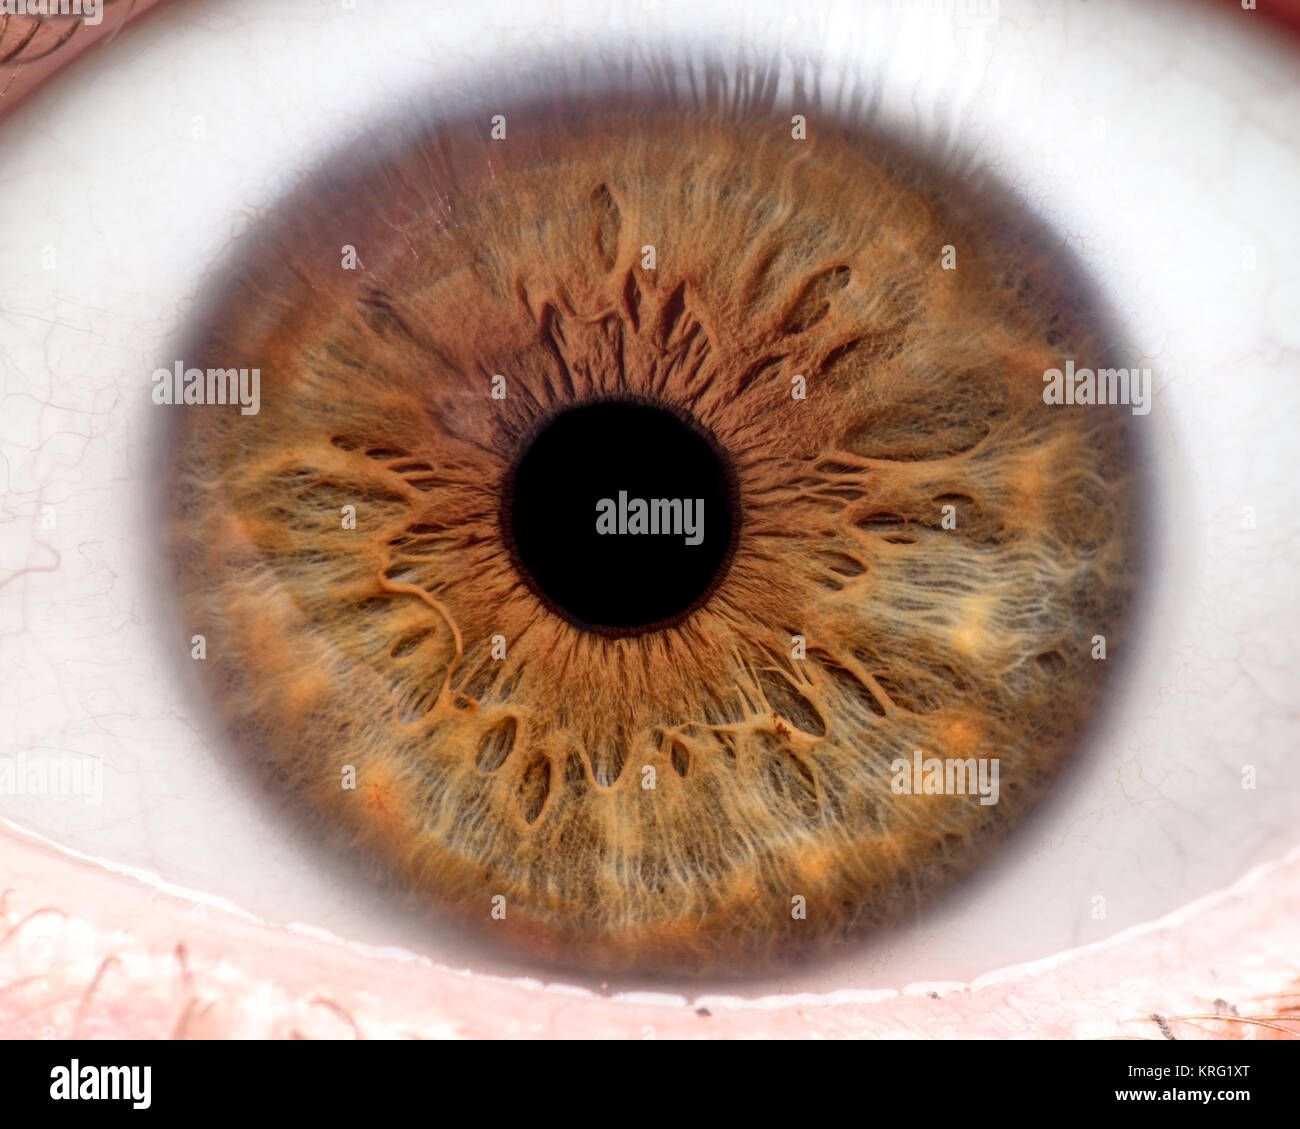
(629, 765)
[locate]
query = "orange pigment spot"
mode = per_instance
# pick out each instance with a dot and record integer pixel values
(383, 795)
(960, 738)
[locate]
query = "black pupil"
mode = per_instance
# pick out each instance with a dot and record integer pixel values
(657, 487)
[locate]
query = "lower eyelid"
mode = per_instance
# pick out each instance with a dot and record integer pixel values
(135, 962)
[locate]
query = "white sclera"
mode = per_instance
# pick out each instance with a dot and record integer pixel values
(1159, 140)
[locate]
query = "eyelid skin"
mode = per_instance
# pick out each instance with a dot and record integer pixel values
(33, 51)
(1125, 774)
(85, 953)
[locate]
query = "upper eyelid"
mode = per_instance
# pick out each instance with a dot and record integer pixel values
(33, 49)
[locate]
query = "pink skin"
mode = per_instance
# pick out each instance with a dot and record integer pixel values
(133, 961)
(20, 78)
(87, 951)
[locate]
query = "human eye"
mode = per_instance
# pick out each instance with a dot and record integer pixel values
(1171, 795)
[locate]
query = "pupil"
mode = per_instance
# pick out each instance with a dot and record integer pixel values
(621, 516)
